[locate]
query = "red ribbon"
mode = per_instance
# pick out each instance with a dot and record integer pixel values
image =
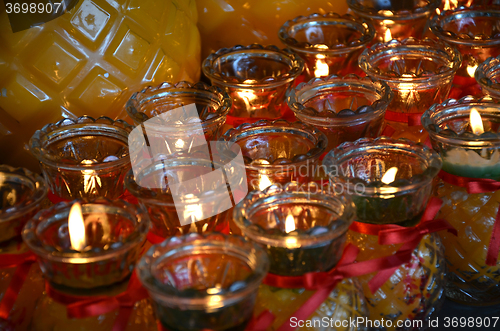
(259, 323)
(412, 119)
(23, 263)
(476, 186)
(410, 237)
(324, 282)
(88, 306)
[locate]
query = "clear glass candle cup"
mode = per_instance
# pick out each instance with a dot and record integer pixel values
(395, 19)
(357, 169)
(115, 232)
(488, 77)
(302, 226)
(22, 194)
(167, 106)
(343, 108)
(255, 77)
(165, 188)
(278, 152)
(83, 157)
(329, 44)
(203, 282)
(475, 33)
(474, 155)
(419, 73)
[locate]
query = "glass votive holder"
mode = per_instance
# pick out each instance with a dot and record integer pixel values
(358, 168)
(474, 31)
(22, 195)
(302, 226)
(343, 108)
(203, 282)
(83, 157)
(488, 77)
(278, 152)
(255, 77)
(165, 189)
(469, 157)
(395, 19)
(419, 73)
(167, 104)
(329, 44)
(114, 232)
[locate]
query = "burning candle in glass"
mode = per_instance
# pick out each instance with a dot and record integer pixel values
(343, 108)
(211, 105)
(87, 244)
(203, 282)
(83, 157)
(390, 180)
(155, 187)
(395, 19)
(298, 224)
(255, 77)
(466, 135)
(278, 152)
(419, 72)
(488, 76)
(22, 195)
(475, 33)
(329, 44)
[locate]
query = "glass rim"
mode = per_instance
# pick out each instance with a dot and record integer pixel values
(411, 44)
(295, 62)
(492, 64)
(246, 251)
(340, 154)
(102, 126)
(361, 10)
(436, 24)
(150, 93)
(135, 213)
(452, 105)
(262, 126)
(380, 87)
(36, 196)
(271, 196)
(330, 18)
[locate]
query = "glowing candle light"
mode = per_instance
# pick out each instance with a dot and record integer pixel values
(76, 227)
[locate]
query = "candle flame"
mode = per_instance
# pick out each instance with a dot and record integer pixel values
(471, 70)
(289, 223)
(179, 144)
(247, 96)
(390, 175)
(476, 122)
(388, 35)
(322, 68)
(76, 227)
(264, 182)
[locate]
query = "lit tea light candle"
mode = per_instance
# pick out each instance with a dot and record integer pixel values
(264, 182)
(89, 244)
(389, 180)
(328, 44)
(469, 127)
(297, 224)
(255, 77)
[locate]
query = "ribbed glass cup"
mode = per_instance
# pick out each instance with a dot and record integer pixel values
(83, 157)
(395, 19)
(419, 73)
(488, 77)
(343, 108)
(255, 77)
(329, 44)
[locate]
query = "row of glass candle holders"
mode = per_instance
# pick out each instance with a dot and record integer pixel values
(302, 226)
